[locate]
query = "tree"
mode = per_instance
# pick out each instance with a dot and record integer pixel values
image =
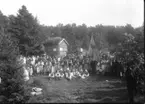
(26, 30)
(45, 31)
(12, 88)
(132, 51)
(3, 21)
(129, 29)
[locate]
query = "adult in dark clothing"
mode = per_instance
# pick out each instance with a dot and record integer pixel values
(91, 64)
(121, 70)
(116, 68)
(93, 67)
(131, 84)
(113, 68)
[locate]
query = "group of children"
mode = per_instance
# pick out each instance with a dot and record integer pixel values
(70, 66)
(67, 67)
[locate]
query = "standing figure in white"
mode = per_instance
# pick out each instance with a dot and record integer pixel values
(26, 74)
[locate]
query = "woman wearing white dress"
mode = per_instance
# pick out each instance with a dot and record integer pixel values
(31, 70)
(0, 80)
(26, 74)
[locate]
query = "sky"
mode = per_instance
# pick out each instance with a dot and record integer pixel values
(89, 12)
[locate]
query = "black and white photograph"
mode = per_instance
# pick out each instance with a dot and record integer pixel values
(72, 51)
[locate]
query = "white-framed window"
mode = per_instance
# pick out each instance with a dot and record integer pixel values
(61, 49)
(54, 49)
(81, 49)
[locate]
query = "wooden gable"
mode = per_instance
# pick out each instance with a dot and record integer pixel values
(63, 40)
(63, 46)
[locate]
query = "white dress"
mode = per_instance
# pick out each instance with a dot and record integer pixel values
(0, 80)
(53, 69)
(24, 60)
(26, 75)
(31, 71)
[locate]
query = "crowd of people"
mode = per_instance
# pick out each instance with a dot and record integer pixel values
(70, 66)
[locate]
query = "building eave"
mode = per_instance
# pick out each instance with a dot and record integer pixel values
(62, 41)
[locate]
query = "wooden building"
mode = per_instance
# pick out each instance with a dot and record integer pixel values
(56, 46)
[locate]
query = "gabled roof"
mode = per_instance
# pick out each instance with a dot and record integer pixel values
(54, 41)
(64, 41)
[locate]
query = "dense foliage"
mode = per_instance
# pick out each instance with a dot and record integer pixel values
(12, 87)
(22, 34)
(26, 30)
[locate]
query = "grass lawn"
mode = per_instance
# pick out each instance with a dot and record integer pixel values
(91, 89)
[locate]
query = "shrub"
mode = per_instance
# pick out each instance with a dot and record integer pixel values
(13, 88)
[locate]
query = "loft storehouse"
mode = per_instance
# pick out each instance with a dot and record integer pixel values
(56, 46)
